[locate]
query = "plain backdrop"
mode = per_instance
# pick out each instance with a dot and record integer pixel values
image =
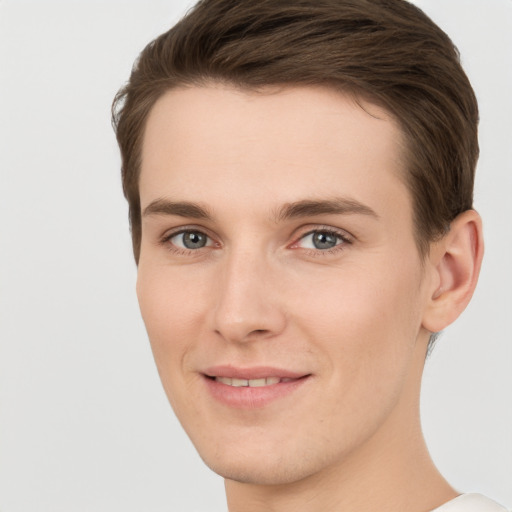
(84, 423)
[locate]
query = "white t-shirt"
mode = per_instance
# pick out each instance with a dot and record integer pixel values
(470, 503)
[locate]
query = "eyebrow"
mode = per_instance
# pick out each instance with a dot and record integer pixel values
(298, 209)
(181, 209)
(311, 208)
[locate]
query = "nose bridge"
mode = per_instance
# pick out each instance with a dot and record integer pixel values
(247, 297)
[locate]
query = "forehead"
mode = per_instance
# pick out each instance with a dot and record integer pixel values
(220, 143)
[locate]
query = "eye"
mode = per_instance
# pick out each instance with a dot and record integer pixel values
(190, 240)
(322, 240)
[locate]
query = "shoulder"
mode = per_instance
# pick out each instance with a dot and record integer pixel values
(471, 503)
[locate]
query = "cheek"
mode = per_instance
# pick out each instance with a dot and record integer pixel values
(365, 331)
(171, 307)
(373, 298)
(365, 320)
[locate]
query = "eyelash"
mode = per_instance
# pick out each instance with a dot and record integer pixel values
(341, 236)
(166, 242)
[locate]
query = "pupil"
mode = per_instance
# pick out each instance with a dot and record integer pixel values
(194, 240)
(324, 240)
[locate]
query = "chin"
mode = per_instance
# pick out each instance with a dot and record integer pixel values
(260, 466)
(258, 473)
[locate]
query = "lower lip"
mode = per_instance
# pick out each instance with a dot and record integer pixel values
(246, 397)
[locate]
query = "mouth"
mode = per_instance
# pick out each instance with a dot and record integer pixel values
(252, 388)
(251, 383)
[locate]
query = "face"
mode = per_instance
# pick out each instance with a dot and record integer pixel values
(279, 278)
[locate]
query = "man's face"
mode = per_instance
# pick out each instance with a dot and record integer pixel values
(279, 279)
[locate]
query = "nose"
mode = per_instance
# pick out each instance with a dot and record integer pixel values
(248, 304)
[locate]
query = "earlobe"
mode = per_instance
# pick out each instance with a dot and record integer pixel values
(456, 261)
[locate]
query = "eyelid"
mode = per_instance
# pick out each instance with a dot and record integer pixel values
(345, 239)
(300, 234)
(165, 239)
(308, 230)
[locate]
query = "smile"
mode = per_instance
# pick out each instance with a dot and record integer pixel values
(252, 383)
(252, 388)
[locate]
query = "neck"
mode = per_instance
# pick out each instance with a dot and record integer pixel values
(392, 471)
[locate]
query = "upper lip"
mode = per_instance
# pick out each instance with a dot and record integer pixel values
(253, 372)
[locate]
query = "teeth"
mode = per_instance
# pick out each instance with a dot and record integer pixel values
(257, 383)
(252, 383)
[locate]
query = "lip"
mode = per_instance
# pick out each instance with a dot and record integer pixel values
(252, 397)
(253, 372)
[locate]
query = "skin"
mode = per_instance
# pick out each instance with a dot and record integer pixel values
(355, 318)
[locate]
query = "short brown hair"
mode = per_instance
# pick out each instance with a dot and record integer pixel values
(385, 50)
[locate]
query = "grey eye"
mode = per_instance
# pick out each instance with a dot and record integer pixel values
(323, 240)
(190, 240)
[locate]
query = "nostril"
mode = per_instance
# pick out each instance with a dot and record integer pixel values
(258, 333)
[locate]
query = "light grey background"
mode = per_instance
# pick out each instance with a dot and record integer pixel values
(84, 424)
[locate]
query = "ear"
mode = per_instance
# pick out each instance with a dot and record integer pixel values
(455, 262)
